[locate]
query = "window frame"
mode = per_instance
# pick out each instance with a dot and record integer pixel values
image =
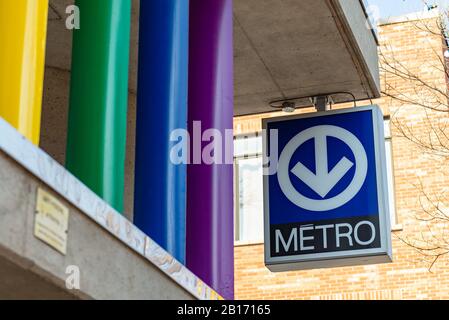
(254, 155)
(394, 218)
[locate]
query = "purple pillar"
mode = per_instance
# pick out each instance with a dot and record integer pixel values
(210, 236)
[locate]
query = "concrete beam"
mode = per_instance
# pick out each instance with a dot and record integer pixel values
(116, 260)
(31, 269)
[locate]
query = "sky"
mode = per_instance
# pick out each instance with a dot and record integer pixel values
(391, 8)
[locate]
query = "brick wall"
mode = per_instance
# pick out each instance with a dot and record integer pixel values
(415, 48)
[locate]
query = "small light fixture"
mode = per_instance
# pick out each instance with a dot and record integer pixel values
(288, 106)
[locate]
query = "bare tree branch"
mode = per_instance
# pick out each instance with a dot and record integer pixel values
(408, 86)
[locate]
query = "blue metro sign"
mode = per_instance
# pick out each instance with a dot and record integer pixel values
(326, 204)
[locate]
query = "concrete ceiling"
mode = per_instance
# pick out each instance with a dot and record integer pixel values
(297, 48)
(283, 49)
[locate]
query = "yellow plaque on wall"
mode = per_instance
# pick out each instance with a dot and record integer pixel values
(51, 222)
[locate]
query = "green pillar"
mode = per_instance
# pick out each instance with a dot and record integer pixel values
(96, 140)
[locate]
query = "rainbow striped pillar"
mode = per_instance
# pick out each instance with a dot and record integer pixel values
(210, 243)
(23, 29)
(160, 183)
(96, 141)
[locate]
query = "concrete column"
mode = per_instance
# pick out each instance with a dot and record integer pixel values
(96, 137)
(210, 249)
(160, 183)
(23, 25)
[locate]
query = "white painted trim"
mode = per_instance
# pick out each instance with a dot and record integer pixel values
(415, 16)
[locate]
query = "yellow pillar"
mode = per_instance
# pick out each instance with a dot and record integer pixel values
(23, 28)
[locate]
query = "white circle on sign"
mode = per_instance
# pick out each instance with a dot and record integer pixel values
(318, 132)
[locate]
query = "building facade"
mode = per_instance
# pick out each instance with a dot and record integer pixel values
(91, 92)
(414, 103)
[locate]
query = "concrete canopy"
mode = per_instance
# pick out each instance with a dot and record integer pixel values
(283, 49)
(301, 48)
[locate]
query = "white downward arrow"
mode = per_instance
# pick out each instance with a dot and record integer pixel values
(323, 181)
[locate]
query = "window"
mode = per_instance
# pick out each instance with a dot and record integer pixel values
(248, 189)
(390, 173)
(248, 179)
